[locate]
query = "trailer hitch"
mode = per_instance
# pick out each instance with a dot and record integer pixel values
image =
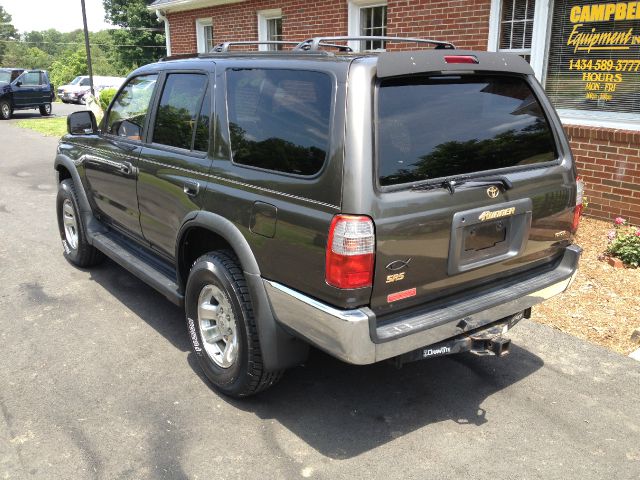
(484, 341)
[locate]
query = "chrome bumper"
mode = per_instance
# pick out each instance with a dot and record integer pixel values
(352, 335)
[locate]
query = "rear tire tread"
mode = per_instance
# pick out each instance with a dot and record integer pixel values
(260, 378)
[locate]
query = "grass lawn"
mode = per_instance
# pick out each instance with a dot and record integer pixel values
(53, 127)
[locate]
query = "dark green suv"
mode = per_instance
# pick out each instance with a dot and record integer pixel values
(384, 205)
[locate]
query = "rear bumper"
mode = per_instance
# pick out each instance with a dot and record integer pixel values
(354, 336)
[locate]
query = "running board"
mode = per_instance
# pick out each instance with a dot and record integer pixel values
(113, 247)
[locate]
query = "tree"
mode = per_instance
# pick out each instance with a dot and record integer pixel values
(69, 66)
(140, 32)
(7, 31)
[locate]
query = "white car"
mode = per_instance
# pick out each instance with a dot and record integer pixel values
(75, 91)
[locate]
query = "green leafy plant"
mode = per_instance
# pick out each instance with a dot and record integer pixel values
(105, 97)
(624, 242)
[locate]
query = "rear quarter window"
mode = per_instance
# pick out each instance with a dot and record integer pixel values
(279, 119)
(435, 126)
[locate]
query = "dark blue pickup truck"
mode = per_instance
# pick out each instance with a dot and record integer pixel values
(23, 89)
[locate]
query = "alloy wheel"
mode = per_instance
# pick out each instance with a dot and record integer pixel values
(70, 223)
(217, 325)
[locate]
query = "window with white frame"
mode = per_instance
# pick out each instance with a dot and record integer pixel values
(516, 27)
(204, 34)
(593, 83)
(367, 18)
(270, 28)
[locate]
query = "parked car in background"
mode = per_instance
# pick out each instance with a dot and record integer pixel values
(76, 91)
(24, 89)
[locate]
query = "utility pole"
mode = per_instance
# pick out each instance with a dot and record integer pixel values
(86, 44)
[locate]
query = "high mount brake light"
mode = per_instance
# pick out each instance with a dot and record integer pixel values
(577, 211)
(350, 252)
(460, 59)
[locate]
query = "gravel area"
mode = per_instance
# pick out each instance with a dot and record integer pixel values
(603, 304)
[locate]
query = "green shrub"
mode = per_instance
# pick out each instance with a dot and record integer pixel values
(105, 97)
(624, 242)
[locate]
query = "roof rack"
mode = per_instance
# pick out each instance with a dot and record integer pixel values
(224, 47)
(316, 42)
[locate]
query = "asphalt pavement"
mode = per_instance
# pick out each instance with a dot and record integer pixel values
(97, 381)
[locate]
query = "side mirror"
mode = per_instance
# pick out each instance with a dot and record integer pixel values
(82, 123)
(18, 83)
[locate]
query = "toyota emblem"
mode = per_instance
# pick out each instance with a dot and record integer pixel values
(493, 191)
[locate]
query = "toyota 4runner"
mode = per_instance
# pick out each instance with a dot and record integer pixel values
(387, 205)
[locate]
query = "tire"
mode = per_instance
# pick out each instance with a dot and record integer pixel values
(77, 249)
(45, 110)
(217, 298)
(5, 110)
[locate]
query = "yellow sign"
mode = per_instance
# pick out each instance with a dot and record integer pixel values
(601, 44)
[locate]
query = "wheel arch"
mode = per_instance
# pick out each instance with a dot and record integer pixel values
(65, 168)
(210, 231)
(207, 231)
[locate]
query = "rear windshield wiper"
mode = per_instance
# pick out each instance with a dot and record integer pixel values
(452, 182)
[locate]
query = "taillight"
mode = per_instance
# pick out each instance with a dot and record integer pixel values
(460, 59)
(577, 212)
(350, 252)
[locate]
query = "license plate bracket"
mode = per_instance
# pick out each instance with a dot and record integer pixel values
(487, 235)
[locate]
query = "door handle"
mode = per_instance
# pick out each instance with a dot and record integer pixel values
(191, 188)
(126, 168)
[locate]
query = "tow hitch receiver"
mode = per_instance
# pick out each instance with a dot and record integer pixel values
(484, 341)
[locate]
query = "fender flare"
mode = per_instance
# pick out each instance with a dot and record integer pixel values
(227, 230)
(86, 212)
(70, 166)
(279, 348)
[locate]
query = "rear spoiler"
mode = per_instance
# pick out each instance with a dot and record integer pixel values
(391, 64)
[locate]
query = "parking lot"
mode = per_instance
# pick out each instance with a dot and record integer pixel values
(97, 381)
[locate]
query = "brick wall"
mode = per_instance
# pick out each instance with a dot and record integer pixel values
(464, 22)
(609, 162)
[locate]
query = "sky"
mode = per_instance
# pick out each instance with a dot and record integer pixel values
(63, 15)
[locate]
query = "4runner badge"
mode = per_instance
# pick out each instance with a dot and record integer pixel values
(489, 215)
(493, 191)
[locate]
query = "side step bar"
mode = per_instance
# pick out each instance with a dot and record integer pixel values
(110, 244)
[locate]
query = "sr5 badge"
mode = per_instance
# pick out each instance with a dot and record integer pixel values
(395, 277)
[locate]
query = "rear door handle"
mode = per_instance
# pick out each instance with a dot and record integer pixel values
(126, 168)
(191, 188)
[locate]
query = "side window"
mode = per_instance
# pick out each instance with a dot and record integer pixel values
(129, 110)
(84, 82)
(279, 119)
(178, 110)
(31, 79)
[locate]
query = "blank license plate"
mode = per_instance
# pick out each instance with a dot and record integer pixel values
(485, 235)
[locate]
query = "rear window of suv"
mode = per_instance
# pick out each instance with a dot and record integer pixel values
(438, 126)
